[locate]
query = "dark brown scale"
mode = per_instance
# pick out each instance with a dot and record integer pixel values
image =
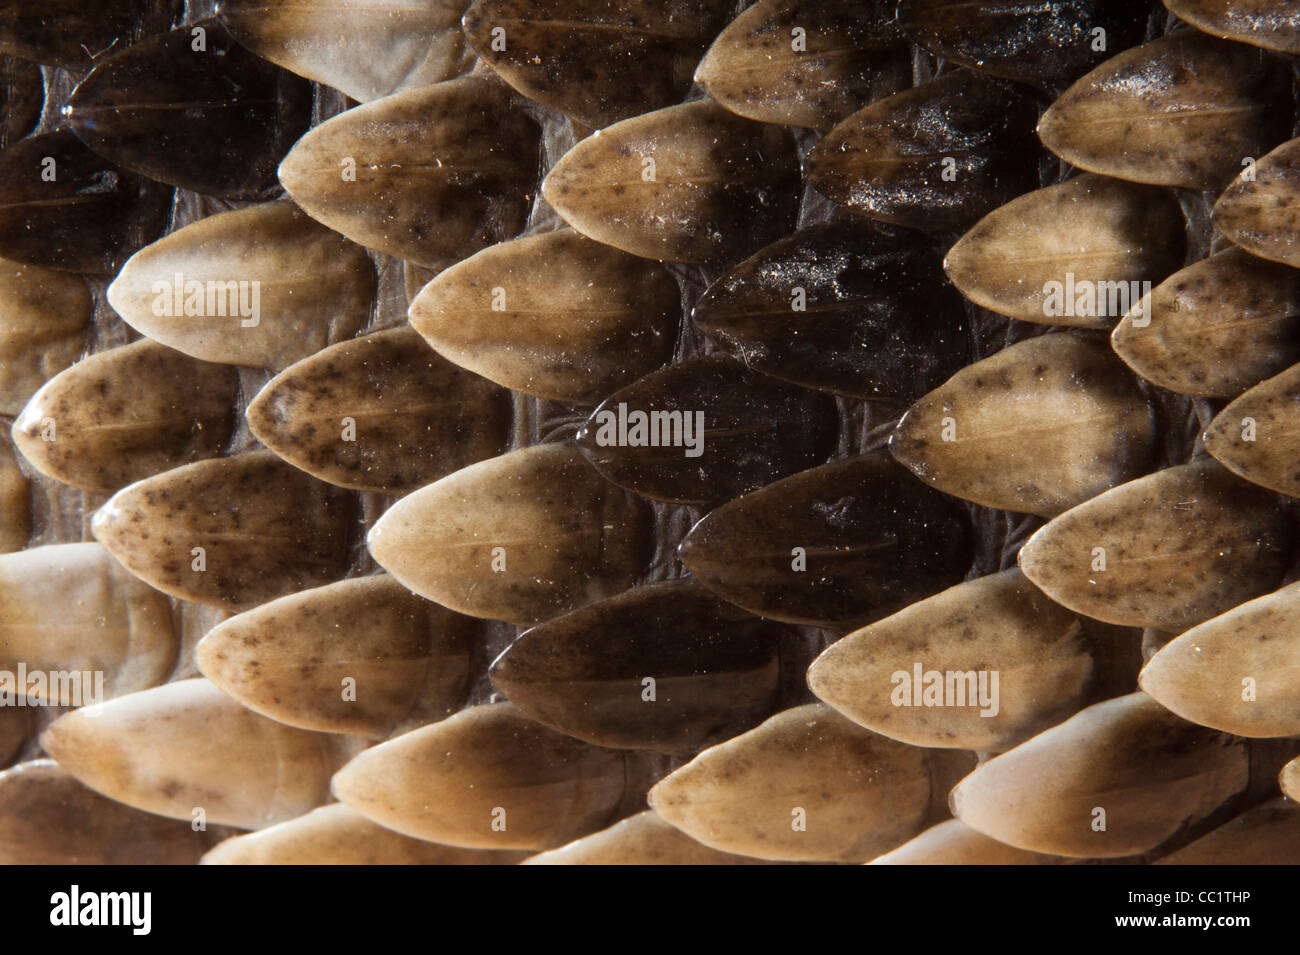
(22, 95)
(64, 207)
(594, 60)
(878, 317)
(935, 157)
(873, 539)
(756, 430)
(50, 818)
(216, 120)
(71, 33)
(715, 670)
(1271, 24)
(17, 723)
(1045, 42)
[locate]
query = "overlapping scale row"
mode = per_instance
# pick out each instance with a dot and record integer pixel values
(448, 432)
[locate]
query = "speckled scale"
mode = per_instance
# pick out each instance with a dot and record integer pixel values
(1043, 661)
(1183, 110)
(336, 835)
(1289, 779)
(1177, 547)
(89, 217)
(955, 843)
(746, 430)
(215, 120)
(428, 174)
(847, 307)
(265, 528)
(934, 157)
(594, 60)
(1047, 42)
(836, 545)
(1215, 328)
(643, 839)
(73, 608)
(1259, 212)
(383, 413)
(715, 670)
(1267, 834)
(1037, 427)
(125, 414)
(409, 660)
(264, 286)
(1256, 436)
